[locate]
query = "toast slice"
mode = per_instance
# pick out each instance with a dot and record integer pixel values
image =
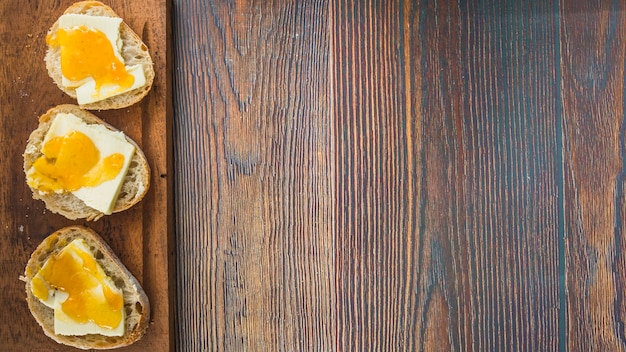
(134, 52)
(136, 304)
(134, 186)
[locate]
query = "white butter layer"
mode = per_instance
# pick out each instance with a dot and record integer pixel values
(64, 324)
(110, 26)
(86, 91)
(103, 196)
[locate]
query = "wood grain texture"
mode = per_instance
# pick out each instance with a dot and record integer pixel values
(254, 188)
(378, 179)
(447, 176)
(464, 184)
(142, 236)
(592, 64)
(513, 176)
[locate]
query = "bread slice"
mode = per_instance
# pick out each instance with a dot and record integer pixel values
(135, 185)
(136, 304)
(134, 52)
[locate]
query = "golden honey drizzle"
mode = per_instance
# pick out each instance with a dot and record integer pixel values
(71, 162)
(90, 299)
(87, 52)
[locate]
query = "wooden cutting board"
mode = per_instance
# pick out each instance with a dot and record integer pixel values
(141, 236)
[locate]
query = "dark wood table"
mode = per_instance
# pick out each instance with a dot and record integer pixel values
(417, 175)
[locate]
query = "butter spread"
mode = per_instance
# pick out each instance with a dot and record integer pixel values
(84, 299)
(91, 60)
(88, 160)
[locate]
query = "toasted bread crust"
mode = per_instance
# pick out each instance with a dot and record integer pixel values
(136, 302)
(134, 187)
(134, 52)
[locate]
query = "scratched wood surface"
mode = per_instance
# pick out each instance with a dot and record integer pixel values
(400, 175)
(142, 236)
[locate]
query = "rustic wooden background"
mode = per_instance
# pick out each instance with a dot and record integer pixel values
(400, 175)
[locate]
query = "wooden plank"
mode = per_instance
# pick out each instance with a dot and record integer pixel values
(141, 236)
(592, 62)
(376, 89)
(513, 176)
(465, 185)
(448, 231)
(254, 219)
